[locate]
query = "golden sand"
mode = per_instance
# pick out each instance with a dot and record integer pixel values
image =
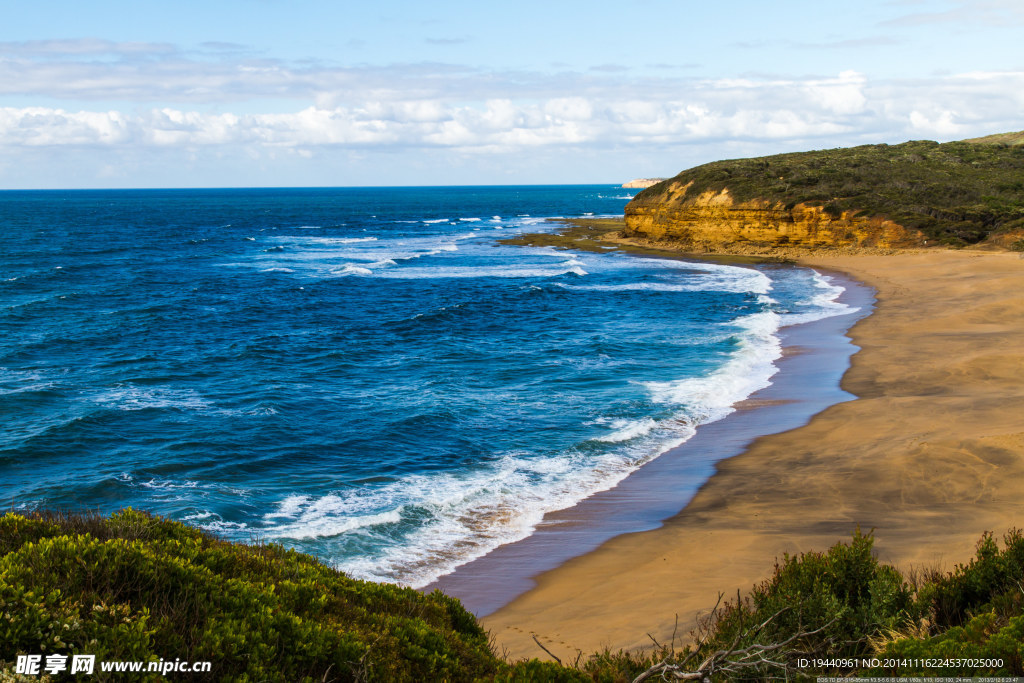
(930, 455)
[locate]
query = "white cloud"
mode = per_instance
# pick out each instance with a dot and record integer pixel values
(942, 123)
(705, 111)
(843, 95)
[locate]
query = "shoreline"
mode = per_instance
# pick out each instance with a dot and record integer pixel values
(815, 356)
(929, 455)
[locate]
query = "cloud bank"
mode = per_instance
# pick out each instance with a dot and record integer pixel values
(695, 111)
(94, 106)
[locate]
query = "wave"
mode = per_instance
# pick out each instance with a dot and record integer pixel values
(350, 269)
(129, 397)
(749, 369)
(824, 304)
(626, 430)
(447, 519)
(426, 525)
(326, 241)
(736, 280)
(478, 272)
(324, 517)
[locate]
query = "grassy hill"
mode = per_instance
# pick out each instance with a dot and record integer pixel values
(1000, 139)
(956, 193)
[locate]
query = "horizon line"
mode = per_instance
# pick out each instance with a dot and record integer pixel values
(295, 187)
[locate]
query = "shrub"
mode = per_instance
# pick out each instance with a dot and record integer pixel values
(136, 587)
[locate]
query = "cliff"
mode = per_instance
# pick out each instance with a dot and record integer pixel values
(885, 196)
(642, 183)
(716, 222)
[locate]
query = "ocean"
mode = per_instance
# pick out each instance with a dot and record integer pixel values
(364, 374)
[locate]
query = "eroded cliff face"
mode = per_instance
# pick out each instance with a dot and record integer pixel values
(714, 222)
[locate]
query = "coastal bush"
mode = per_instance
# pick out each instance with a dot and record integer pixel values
(136, 587)
(991, 580)
(817, 602)
(975, 611)
(845, 604)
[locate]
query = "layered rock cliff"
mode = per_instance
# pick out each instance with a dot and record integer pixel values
(875, 196)
(713, 221)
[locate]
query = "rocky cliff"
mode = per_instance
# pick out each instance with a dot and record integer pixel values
(714, 221)
(874, 196)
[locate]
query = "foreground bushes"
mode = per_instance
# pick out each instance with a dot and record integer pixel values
(843, 605)
(136, 587)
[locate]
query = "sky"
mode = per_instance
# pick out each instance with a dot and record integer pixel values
(258, 93)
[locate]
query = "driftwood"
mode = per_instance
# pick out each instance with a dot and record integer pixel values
(732, 660)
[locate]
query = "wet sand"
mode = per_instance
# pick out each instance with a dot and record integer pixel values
(929, 455)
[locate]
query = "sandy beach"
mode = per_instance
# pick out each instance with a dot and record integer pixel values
(929, 455)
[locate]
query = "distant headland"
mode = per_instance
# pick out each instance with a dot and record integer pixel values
(641, 183)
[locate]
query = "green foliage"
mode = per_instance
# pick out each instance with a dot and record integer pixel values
(820, 602)
(845, 592)
(955, 193)
(136, 587)
(985, 637)
(991, 580)
(977, 611)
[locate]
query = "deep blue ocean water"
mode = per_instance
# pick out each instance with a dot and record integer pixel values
(364, 374)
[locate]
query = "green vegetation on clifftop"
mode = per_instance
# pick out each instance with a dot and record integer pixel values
(956, 193)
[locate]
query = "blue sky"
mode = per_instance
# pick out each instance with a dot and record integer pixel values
(273, 93)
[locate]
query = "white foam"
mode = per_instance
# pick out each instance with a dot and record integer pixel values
(289, 507)
(326, 241)
(129, 397)
(626, 430)
(470, 220)
(349, 269)
(439, 272)
(824, 303)
(222, 527)
(457, 516)
(198, 516)
(324, 517)
(166, 485)
(438, 220)
(750, 368)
